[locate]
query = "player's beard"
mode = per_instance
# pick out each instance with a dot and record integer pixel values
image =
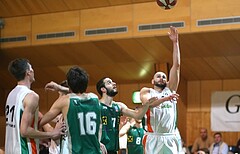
(161, 85)
(112, 92)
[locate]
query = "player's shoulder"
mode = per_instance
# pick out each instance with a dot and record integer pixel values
(92, 95)
(31, 99)
(121, 105)
(32, 94)
(145, 89)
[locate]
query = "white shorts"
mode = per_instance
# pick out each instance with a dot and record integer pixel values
(164, 143)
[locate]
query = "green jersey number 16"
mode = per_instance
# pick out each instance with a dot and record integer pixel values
(87, 123)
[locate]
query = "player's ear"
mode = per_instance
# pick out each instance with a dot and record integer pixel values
(27, 72)
(103, 89)
(152, 81)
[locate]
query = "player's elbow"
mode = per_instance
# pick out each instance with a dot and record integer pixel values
(121, 134)
(24, 132)
(177, 65)
(40, 124)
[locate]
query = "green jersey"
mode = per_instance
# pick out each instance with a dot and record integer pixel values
(134, 141)
(83, 121)
(110, 126)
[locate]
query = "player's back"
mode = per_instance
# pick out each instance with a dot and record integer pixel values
(83, 122)
(14, 142)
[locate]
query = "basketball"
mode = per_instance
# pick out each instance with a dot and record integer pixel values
(166, 4)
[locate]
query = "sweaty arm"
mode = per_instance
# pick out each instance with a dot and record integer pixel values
(30, 108)
(124, 129)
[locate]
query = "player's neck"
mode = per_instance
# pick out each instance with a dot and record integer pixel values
(107, 100)
(25, 83)
(158, 89)
(83, 95)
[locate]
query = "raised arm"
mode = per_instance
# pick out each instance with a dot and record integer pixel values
(174, 75)
(53, 86)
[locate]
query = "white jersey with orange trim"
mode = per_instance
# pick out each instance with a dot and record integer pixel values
(162, 119)
(14, 142)
(160, 123)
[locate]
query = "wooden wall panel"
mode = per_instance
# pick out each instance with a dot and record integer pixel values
(213, 9)
(151, 13)
(182, 118)
(52, 96)
(125, 94)
(2, 104)
(182, 91)
(16, 27)
(207, 87)
(92, 88)
(182, 108)
(231, 85)
(193, 96)
(193, 123)
(43, 101)
(114, 16)
(55, 23)
(2, 130)
(141, 85)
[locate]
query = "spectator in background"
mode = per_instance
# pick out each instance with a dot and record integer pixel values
(218, 147)
(202, 143)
